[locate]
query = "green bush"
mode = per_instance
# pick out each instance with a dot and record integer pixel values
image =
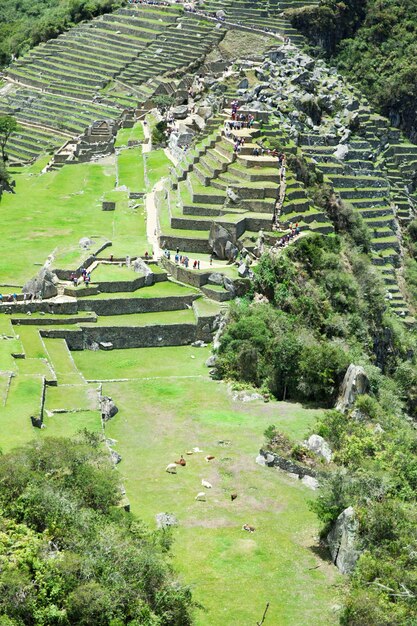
(68, 554)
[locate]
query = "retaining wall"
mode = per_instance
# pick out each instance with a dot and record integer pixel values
(125, 306)
(275, 460)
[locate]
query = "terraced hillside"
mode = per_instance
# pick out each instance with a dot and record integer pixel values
(95, 71)
(263, 14)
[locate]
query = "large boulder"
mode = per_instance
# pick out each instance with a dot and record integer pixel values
(221, 242)
(164, 520)
(44, 283)
(342, 541)
(355, 383)
(140, 267)
(319, 446)
(108, 408)
(180, 112)
(341, 151)
(85, 243)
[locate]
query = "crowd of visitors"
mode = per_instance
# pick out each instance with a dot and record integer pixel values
(285, 239)
(85, 277)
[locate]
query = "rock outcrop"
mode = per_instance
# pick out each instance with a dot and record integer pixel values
(108, 408)
(45, 284)
(355, 383)
(222, 243)
(342, 541)
(141, 267)
(319, 446)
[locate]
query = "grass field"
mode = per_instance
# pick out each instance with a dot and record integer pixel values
(130, 169)
(65, 205)
(170, 406)
(130, 134)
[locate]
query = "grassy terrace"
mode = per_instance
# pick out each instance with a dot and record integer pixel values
(181, 408)
(65, 206)
(130, 169)
(159, 290)
(146, 319)
(130, 134)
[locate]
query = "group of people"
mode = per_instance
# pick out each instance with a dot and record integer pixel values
(285, 239)
(238, 145)
(10, 298)
(184, 260)
(261, 151)
(85, 277)
(27, 297)
(151, 2)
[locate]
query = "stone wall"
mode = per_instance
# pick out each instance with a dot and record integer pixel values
(185, 244)
(126, 336)
(74, 338)
(64, 308)
(128, 285)
(125, 306)
(141, 336)
(189, 277)
(56, 321)
(275, 460)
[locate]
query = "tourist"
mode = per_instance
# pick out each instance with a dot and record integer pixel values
(211, 259)
(146, 255)
(198, 265)
(195, 265)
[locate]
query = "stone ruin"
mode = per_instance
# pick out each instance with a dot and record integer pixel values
(98, 139)
(44, 283)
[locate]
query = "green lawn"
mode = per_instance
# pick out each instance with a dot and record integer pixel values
(157, 166)
(185, 316)
(158, 290)
(232, 574)
(170, 406)
(133, 134)
(143, 362)
(113, 272)
(130, 169)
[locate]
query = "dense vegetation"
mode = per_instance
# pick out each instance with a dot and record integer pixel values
(24, 23)
(323, 307)
(375, 454)
(68, 554)
(374, 43)
(317, 307)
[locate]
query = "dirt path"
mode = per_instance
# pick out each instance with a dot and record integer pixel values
(147, 144)
(152, 226)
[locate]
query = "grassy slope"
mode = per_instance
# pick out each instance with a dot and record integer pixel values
(162, 414)
(65, 205)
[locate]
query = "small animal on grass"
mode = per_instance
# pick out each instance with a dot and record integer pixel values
(171, 468)
(209, 457)
(201, 496)
(206, 484)
(249, 528)
(233, 496)
(181, 461)
(197, 449)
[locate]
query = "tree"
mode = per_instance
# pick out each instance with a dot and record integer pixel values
(8, 125)
(163, 102)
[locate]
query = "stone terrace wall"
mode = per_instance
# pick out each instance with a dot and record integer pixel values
(142, 336)
(125, 306)
(127, 336)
